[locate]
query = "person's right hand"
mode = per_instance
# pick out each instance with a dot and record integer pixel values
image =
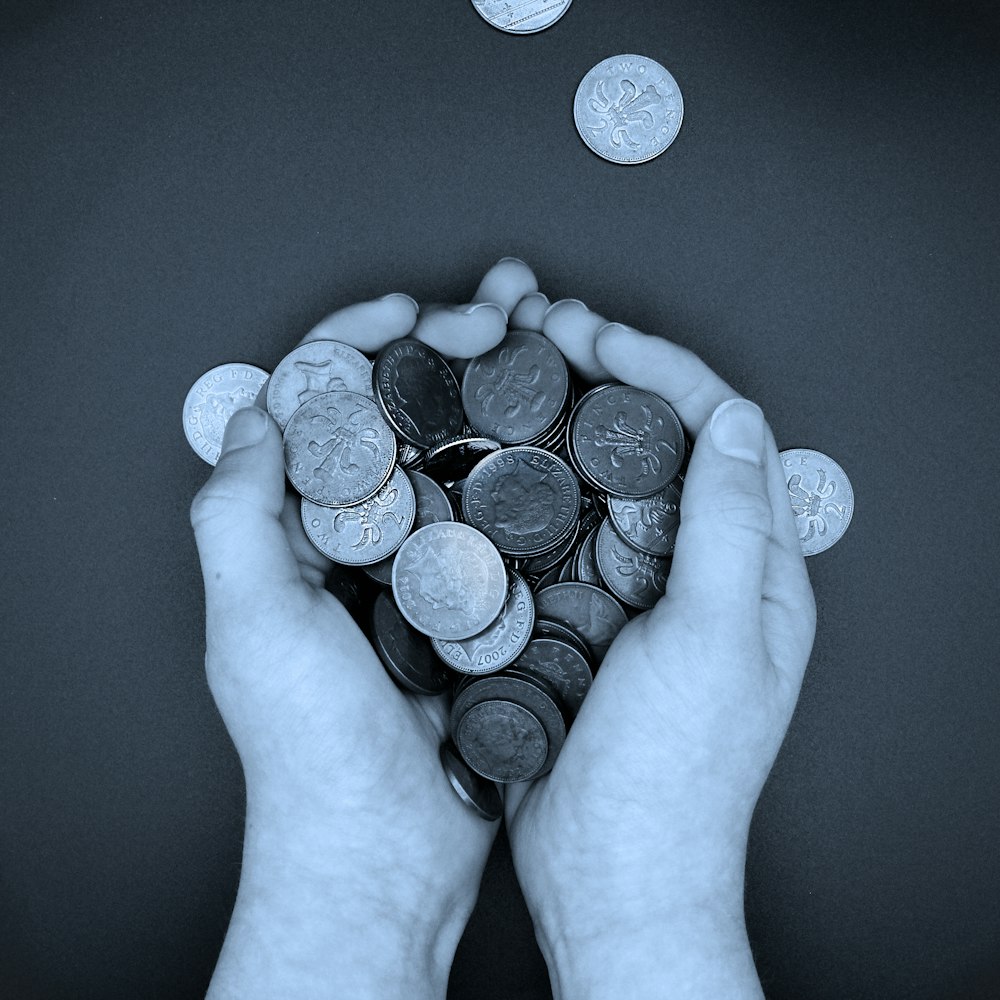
(631, 852)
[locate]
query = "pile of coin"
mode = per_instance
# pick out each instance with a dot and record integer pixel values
(515, 521)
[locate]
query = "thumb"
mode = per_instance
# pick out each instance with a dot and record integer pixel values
(725, 515)
(242, 546)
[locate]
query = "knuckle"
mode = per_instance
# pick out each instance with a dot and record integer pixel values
(739, 510)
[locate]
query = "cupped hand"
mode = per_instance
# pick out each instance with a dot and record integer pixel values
(631, 851)
(345, 791)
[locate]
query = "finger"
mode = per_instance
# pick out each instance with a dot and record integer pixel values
(789, 605)
(672, 372)
(242, 544)
(368, 326)
(312, 563)
(529, 312)
(506, 283)
(467, 330)
(573, 328)
(726, 518)
(462, 331)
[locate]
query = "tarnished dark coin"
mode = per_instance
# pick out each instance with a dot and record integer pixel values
(561, 665)
(516, 391)
(480, 794)
(338, 449)
(501, 643)
(432, 505)
(454, 459)
(405, 653)
(585, 564)
(312, 368)
(550, 628)
(648, 524)
(549, 577)
(411, 457)
(626, 441)
(502, 741)
(417, 393)
(524, 499)
(822, 498)
(524, 693)
(449, 580)
(632, 576)
(365, 532)
(213, 399)
(590, 611)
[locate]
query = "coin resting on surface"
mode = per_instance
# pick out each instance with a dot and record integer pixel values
(821, 495)
(628, 109)
(213, 399)
(521, 17)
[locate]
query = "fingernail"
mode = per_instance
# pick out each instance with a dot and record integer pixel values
(618, 330)
(560, 302)
(247, 426)
(401, 295)
(737, 430)
(516, 260)
(486, 305)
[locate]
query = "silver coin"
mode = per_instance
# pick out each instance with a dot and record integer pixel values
(822, 498)
(648, 524)
(521, 17)
(563, 666)
(628, 109)
(432, 505)
(633, 577)
(365, 532)
(524, 499)
(585, 565)
(535, 696)
(315, 367)
(449, 580)
(626, 441)
(502, 741)
(588, 610)
(213, 399)
(404, 652)
(417, 393)
(338, 449)
(502, 643)
(516, 391)
(551, 628)
(480, 794)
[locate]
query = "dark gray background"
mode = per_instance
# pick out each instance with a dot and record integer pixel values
(185, 184)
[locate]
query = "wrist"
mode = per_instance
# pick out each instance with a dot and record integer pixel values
(678, 932)
(316, 918)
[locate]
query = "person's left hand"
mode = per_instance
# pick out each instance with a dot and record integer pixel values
(355, 843)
